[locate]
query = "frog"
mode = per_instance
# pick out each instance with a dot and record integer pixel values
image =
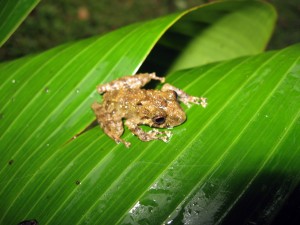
(126, 102)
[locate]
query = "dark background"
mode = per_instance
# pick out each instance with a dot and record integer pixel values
(55, 22)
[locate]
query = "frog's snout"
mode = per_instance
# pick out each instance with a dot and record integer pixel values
(177, 119)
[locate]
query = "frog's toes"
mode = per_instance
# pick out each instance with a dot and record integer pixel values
(127, 144)
(203, 101)
(154, 77)
(167, 136)
(195, 100)
(119, 140)
(161, 135)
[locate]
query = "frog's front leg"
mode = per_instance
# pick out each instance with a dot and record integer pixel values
(184, 97)
(129, 82)
(111, 125)
(154, 134)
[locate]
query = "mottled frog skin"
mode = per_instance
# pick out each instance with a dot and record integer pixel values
(123, 99)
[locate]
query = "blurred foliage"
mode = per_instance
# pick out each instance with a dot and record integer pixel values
(287, 31)
(55, 22)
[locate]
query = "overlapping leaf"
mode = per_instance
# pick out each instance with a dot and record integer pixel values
(12, 13)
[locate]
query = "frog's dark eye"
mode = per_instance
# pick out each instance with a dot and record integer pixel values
(158, 120)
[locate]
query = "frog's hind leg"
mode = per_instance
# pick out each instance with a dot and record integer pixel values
(113, 127)
(109, 129)
(129, 82)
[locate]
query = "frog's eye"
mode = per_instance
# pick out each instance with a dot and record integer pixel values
(158, 120)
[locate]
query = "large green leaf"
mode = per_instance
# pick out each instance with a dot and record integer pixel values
(229, 38)
(243, 146)
(45, 101)
(12, 13)
(222, 31)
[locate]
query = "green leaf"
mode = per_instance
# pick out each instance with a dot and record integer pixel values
(48, 99)
(12, 13)
(213, 160)
(221, 31)
(230, 37)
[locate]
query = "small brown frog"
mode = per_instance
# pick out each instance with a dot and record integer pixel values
(124, 99)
